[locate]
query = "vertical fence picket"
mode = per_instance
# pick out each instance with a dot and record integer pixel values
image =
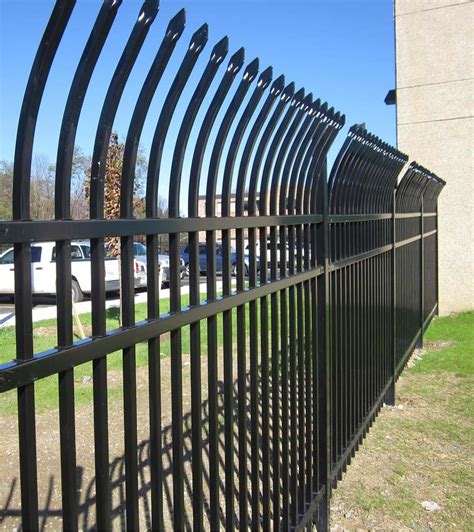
(234, 66)
(98, 167)
(22, 254)
(196, 45)
(249, 75)
(274, 160)
(64, 281)
(285, 94)
(217, 56)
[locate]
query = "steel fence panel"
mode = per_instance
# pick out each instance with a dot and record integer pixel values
(336, 281)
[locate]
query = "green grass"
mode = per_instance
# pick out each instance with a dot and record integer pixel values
(456, 357)
(44, 338)
(449, 358)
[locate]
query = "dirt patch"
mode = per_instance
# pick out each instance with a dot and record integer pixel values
(45, 331)
(437, 345)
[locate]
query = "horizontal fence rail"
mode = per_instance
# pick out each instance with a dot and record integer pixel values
(325, 286)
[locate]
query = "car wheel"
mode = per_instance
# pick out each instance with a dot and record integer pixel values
(233, 270)
(77, 294)
(186, 270)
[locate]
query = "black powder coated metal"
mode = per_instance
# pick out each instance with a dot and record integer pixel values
(327, 311)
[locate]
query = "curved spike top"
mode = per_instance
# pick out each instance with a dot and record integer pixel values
(278, 85)
(148, 11)
(304, 104)
(111, 102)
(199, 39)
(299, 98)
(409, 193)
(73, 108)
(315, 107)
(418, 168)
(236, 61)
(176, 25)
(187, 124)
(265, 78)
(220, 50)
(30, 107)
(356, 129)
(368, 176)
(252, 70)
(288, 92)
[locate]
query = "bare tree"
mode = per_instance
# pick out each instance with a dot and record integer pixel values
(6, 184)
(42, 188)
(79, 202)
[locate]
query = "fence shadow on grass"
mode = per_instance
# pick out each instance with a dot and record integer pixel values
(50, 507)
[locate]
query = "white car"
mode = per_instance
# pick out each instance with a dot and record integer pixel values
(43, 270)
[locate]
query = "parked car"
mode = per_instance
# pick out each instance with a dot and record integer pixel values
(203, 259)
(139, 252)
(43, 269)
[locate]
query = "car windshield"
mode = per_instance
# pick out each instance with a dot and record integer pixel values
(35, 254)
(86, 251)
(76, 253)
(9, 257)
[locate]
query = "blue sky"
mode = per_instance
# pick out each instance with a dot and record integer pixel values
(341, 50)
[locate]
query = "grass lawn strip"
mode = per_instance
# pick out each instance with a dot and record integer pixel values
(46, 390)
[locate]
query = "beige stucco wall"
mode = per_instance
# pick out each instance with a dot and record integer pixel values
(435, 125)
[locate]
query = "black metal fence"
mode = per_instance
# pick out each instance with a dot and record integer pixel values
(336, 280)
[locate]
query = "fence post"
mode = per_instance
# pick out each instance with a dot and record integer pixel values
(390, 398)
(419, 343)
(324, 357)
